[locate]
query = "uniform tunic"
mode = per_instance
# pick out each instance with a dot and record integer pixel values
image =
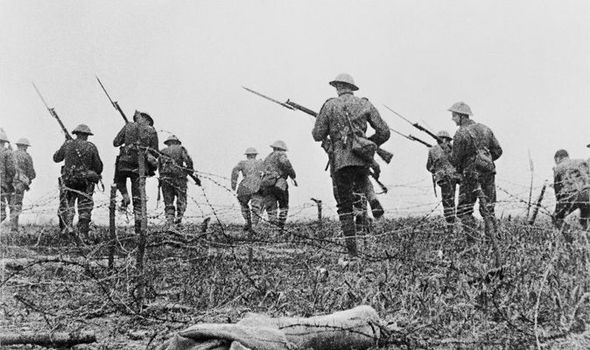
(278, 166)
(571, 179)
(25, 174)
(470, 139)
(78, 156)
(7, 172)
(248, 189)
(445, 175)
(174, 164)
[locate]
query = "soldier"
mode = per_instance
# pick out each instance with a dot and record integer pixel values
(81, 171)
(571, 182)
(138, 137)
(7, 172)
(475, 149)
(174, 164)
(444, 175)
(25, 174)
(249, 188)
(344, 120)
(274, 187)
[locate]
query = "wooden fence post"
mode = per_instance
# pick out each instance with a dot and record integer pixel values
(142, 232)
(319, 204)
(112, 233)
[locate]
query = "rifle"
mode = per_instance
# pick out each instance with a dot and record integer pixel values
(385, 155)
(538, 205)
(54, 114)
(195, 178)
(416, 125)
(411, 138)
(114, 103)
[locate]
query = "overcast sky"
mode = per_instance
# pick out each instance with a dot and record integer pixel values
(522, 66)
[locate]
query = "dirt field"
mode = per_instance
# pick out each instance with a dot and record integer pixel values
(431, 290)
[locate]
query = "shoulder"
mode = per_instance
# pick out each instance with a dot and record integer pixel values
(330, 102)
(90, 145)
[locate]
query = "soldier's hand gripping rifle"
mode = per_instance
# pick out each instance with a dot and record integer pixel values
(54, 114)
(417, 126)
(385, 155)
(114, 103)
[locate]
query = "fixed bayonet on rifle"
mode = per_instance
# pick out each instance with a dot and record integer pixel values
(411, 138)
(385, 155)
(54, 114)
(114, 103)
(416, 125)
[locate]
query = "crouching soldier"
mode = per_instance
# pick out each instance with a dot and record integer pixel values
(7, 172)
(274, 187)
(135, 139)
(444, 175)
(174, 164)
(571, 182)
(81, 171)
(25, 174)
(248, 189)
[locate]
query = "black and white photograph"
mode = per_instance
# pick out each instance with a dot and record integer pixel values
(295, 175)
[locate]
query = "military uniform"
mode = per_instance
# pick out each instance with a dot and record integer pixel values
(274, 187)
(350, 170)
(475, 149)
(572, 189)
(174, 164)
(133, 139)
(25, 173)
(7, 173)
(248, 191)
(445, 176)
(81, 171)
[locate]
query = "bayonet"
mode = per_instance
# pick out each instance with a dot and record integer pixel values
(416, 125)
(53, 113)
(114, 103)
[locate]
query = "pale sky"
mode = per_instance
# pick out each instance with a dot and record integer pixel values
(522, 66)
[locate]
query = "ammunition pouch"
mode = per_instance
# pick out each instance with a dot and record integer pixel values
(483, 161)
(363, 148)
(76, 177)
(269, 179)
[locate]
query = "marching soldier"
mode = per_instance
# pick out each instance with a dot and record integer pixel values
(248, 189)
(274, 187)
(571, 182)
(25, 174)
(135, 138)
(344, 120)
(174, 164)
(475, 149)
(444, 175)
(7, 172)
(81, 171)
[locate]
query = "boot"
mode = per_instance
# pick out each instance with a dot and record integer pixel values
(14, 223)
(83, 228)
(248, 225)
(178, 221)
(349, 232)
(376, 209)
(469, 227)
(125, 201)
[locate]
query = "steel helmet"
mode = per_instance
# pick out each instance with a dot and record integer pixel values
(346, 79)
(280, 145)
(82, 129)
(444, 134)
(250, 150)
(561, 154)
(145, 115)
(172, 138)
(461, 108)
(3, 136)
(23, 141)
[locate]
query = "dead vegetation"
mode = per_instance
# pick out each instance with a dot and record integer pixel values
(433, 290)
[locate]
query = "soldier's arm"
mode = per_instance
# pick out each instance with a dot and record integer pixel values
(234, 175)
(287, 167)
(321, 126)
(120, 138)
(495, 148)
(381, 128)
(557, 184)
(10, 165)
(430, 162)
(60, 154)
(96, 161)
(459, 144)
(188, 161)
(31, 169)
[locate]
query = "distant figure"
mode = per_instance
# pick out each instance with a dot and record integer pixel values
(81, 172)
(248, 191)
(344, 120)
(274, 187)
(475, 149)
(7, 172)
(25, 174)
(136, 138)
(444, 175)
(174, 164)
(571, 182)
